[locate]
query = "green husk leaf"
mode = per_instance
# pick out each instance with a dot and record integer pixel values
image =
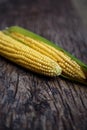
(40, 38)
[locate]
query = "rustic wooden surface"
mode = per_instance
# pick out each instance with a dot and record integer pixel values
(29, 101)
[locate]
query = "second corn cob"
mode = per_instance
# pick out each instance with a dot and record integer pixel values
(27, 57)
(72, 68)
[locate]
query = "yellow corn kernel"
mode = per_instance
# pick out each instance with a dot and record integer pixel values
(69, 66)
(27, 57)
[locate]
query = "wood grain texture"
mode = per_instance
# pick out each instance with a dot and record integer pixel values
(29, 101)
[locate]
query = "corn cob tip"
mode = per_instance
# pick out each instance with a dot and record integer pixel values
(57, 70)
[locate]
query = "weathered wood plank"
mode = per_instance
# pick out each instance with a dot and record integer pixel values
(34, 102)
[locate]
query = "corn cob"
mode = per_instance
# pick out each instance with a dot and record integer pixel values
(72, 68)
(27, 57)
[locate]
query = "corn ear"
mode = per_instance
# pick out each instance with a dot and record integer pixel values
(72, 68)
(27, 57)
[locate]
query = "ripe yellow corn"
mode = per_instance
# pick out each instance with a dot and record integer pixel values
(27, 57)
(69, 67)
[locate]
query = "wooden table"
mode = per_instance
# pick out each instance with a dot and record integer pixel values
(29, 101)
